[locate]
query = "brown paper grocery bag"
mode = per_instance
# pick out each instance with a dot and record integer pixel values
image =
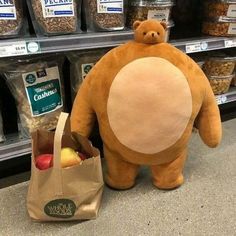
(61, 194)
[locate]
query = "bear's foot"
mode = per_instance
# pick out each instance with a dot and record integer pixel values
(118, 184)
(168, 185)
(169, 175)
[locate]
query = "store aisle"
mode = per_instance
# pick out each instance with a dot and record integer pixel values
(204, 205)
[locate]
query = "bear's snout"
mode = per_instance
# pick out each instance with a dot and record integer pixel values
(151, 37)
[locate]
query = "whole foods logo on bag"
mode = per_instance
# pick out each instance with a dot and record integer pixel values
(60, 208)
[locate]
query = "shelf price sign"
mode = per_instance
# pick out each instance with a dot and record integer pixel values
(230, 43)
(221, 99)
(19, 48)
(196, 47)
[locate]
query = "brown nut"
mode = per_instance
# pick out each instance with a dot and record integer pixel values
(218, 28)
(214, 9)
(215, 67)
(220, 86)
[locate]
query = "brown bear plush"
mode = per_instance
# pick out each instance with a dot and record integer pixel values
(147, 96)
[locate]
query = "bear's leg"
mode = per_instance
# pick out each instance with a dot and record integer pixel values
(169, 175)
(120, 174)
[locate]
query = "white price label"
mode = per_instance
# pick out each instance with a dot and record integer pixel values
(221, 99)
(13, 49)
(230, 43)
(196, 47)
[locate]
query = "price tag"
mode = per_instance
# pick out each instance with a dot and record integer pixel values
(230, 43)
(221, 99)
(196, 47)
(14, 49)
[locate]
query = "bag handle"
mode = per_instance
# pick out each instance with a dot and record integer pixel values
(63, 127)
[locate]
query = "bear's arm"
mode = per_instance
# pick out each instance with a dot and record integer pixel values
(208, 121)
(82, 115)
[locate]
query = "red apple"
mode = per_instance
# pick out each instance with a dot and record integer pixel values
(44, 161)
(82, 156)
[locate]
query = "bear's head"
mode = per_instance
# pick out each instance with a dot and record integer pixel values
(149, 31)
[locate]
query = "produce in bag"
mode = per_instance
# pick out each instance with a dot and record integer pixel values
(64, 194)
(37, 86)
(55, 17)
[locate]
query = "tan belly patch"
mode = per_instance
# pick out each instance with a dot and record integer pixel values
(149, 105)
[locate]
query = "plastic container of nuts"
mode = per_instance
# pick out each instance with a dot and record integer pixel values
(223, 27)
(219, 66)
(55, 17)
(12, 20)
(219, 9)
(152, 9)
(220, 84)
(106, 15)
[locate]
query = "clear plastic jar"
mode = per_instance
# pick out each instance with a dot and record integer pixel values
(153, 9)
(219, 27)
(220, 84)
(106, 15)
(219, 66)
(219, 9)
(170, 24)
(233, 82)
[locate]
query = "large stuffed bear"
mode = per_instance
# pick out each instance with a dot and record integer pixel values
(147, 96)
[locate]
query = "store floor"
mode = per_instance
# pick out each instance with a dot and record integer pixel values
(204, 205)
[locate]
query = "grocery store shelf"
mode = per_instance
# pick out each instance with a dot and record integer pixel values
(14, 146)
(227, 97)
(34, 45)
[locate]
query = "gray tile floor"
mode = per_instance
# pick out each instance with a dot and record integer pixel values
(204, 205)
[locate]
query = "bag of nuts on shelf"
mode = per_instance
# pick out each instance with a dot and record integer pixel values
(106, 15)
(12, 20)
(219, 65)
(80, 64)
(52, 17)
(144, 10)
(37, 86)
(220, 84)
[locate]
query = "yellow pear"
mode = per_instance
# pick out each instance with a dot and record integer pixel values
(69, 157)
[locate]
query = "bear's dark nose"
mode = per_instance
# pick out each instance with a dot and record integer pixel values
(153, 34)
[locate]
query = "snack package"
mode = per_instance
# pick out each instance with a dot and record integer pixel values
(12, 19)
(55, 17)
(81, 63)
(37, 86)
(105, 15)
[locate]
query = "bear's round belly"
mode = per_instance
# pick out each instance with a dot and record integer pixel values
(149, 105)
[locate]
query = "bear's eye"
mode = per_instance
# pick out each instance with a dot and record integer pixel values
(158, 33)
(144, 33)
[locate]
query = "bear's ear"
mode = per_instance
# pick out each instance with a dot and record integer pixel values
(164, 25)
(136, 24)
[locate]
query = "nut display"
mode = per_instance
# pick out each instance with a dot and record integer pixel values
(220, 8)
(220, 84)
(12, 26)
(55, 25)
(218, 28)
(219, 66)
(104, 20)
(143, 10)
(36, 85)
